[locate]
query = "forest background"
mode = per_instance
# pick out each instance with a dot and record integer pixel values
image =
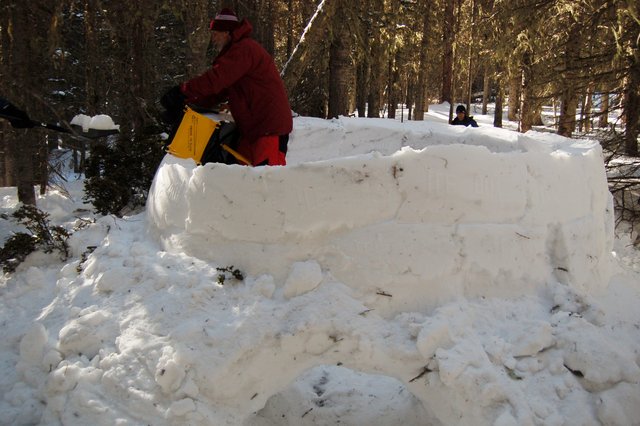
(337, 57)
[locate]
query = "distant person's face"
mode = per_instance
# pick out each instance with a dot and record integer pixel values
(460, 115)
(220, 39)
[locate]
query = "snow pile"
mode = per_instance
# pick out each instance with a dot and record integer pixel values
(488, 305)
(98, 122)
(409, 215)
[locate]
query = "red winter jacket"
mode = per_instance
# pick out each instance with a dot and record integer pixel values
(245, 74)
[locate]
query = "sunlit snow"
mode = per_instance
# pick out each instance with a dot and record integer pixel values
(393, 273)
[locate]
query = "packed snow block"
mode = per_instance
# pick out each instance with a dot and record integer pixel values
(566, 185)
(578, 258)
(261, 205)
(169, 205)
(459, 184)
(477, 211)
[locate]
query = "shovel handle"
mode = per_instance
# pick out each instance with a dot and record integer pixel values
(236, 154)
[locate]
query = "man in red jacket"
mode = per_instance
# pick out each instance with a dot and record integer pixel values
(244, 74)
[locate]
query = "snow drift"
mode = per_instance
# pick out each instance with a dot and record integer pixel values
(403, 218)
(370, 264)
(399, 220)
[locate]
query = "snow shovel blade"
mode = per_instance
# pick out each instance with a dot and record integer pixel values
(93, 133)
(11, 112)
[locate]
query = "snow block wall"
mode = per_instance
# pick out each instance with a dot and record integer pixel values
(515, 212)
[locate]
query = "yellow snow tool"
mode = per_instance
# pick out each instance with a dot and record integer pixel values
(192, 135)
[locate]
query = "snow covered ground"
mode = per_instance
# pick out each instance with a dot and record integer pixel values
(394, 273)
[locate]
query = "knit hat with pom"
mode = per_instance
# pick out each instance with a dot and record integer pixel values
(225, 20)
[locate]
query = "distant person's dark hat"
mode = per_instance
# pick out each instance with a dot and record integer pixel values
(461, 108)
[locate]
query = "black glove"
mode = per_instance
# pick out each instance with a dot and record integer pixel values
(18, 118)
(173, 102)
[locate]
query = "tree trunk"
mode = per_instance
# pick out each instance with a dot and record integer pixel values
(92, 70)
(267, 24)
(569, 93)
(10, 157)
(363, 62)
(448, 38)
(290, 28)
(497, 115)
(362, 85)
(515, 80)
(587, 109)
(527, 107)
(421, 101)
(376, 74)
(25, 50)
(537, 114)
(139, 80)
(376, 78)
(339, 64)
(471, 51)
(408, 93)
(632, 111)
(25, 148)
(568, 105)
(568, 109)
(396, 95)
(313, 33)
(603, 120)
(631, 89)
(391, 108)
(486, 92)
(3, 128)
